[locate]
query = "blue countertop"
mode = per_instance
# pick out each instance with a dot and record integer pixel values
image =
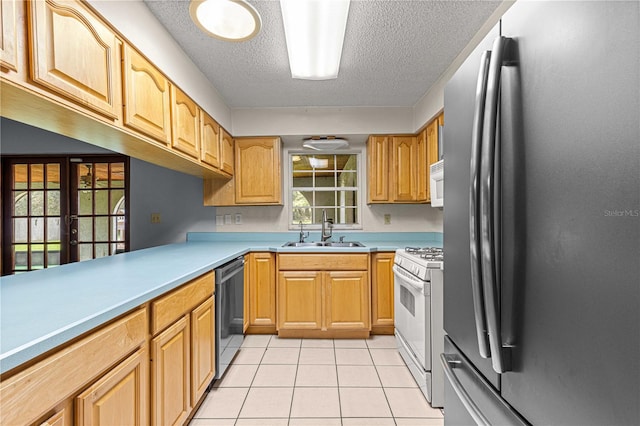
(41, 310)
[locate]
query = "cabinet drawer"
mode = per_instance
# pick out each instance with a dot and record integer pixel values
(27, 395)
(320, 262)
(169, 308)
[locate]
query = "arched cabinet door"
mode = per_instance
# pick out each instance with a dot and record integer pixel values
(75, 55)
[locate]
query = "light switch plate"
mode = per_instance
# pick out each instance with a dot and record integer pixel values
(227, 219)
(238, 219)
(219, 220)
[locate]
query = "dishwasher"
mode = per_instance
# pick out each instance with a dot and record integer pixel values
(229, 296)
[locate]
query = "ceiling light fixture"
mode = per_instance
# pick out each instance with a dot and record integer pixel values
(325, 144)
(314, 30)
(229, 20)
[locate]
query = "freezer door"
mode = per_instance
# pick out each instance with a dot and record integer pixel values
(576, 354)
(468, 398)
(459, 317)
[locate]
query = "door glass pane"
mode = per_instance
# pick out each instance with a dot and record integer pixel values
(37, 229)
(85, 202)
(85, 251)
(20, 207)
(53, 203)
(102, 228)
(53, 176)
(53, 230)
(116, 202)
(37, 203)
(37, 176)
(20, 176)
(37, 256)
(85, 175)
(117, 175)
(20, 230)
(102, 250)
(53, 258)
(101, 171)
(20, 257)
(85, 229)
(101, 199)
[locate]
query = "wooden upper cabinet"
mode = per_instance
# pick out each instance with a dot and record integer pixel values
(378, 168)
(432, 146)
(185, 124)
(75, 55)
(422, 165)
(147, 97)
(9, 10)
(404, 179)
(257, 175)
(210, 139)
(226, 152)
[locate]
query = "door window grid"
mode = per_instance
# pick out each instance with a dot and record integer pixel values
(324, 182)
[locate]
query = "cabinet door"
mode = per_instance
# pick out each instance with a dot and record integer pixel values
(170, 377)
(403, 178)
(210, 138)
(147, 98)
(300, 300)
(382, 293)
(247, 306)
(257, 174)
(9, 34)
(422, 167)
(432, 148)
(63, 415)
(185, 124)
(347, 303)
(262, 290)
(203, 342)
(75, 55)
(226, 155)
(118, 398)
(378, 168)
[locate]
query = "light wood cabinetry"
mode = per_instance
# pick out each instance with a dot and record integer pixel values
(62, 415)
(9, 10)
(323, 295)
(432, 146)
(382, 293)
(27, 395)
(395, 174)
(226, 153)
(119, 397)
(147, 97)
(185, 124)
(261, 297)
(182, 350)
(75, 55)
(257, 178)
(210, 139)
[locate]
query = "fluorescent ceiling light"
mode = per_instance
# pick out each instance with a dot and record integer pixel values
(325, 144)
(314, 30)
(229, 20)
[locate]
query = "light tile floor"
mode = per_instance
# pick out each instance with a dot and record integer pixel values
(317, 382)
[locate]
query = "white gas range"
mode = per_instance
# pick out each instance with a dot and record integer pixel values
(418, 301)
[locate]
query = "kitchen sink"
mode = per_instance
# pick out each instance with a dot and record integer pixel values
(324, 244)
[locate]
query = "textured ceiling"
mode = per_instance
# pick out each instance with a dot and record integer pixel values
(394, 50)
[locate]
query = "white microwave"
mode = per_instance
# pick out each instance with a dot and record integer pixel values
(436, 183)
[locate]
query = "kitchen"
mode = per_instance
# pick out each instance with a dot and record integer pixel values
(383, 122)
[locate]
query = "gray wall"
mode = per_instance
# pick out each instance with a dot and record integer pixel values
(153, 189)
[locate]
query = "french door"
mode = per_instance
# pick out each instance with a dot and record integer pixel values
(58, 210)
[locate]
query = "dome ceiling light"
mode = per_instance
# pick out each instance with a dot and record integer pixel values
(329, 143)
(229, 20)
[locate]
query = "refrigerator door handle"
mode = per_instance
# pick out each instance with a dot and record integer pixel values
(490, 209)
(448, 361)
(474, 214)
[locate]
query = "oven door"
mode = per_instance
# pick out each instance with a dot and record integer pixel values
(412, 310)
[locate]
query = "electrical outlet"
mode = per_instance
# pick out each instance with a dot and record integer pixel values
(155, 217)
(387, 219)
(227, 219)
(238, 219)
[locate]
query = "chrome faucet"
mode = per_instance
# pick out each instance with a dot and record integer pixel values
(326, 223)
(303, 234)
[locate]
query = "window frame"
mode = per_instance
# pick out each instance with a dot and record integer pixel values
(359, 189)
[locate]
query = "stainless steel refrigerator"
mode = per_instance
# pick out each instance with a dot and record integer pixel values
(541, 220)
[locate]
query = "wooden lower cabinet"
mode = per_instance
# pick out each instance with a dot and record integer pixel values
(118, 398)
(300, 300)
(327, 296)
(382, 293)
(203, 349)
(261, 296)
